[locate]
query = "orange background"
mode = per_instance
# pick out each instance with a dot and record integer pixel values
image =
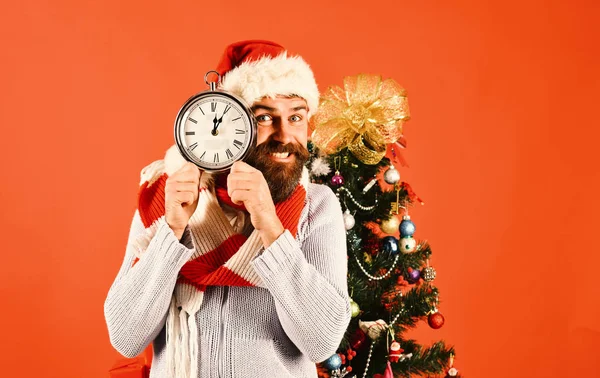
(502, 148)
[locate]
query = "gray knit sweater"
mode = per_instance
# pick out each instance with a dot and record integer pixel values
(280, 331)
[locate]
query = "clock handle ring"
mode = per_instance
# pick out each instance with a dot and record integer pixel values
(212, 84)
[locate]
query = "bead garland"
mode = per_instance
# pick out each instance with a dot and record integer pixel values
(380, 277)
(373, 343)
(364, 208)
(368, 359)
(396, 318)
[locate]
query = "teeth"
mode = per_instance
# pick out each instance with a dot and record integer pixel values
(281, 155)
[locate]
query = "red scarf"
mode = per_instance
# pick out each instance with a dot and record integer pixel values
(221, 257)
(207, 269)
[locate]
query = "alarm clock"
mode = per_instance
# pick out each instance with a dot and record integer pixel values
(215, 128)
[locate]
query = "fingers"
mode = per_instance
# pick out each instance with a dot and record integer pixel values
(241, 181)
(185, 198)
(181, 192)
(240, 166)
(240, 196)
(188, 173)
(182, 186)
(185, 187)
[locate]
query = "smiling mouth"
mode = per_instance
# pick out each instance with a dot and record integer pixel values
(280, 155)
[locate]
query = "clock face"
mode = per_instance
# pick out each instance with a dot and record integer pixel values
(214, 129)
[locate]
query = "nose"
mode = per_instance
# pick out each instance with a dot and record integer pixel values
(283, 132)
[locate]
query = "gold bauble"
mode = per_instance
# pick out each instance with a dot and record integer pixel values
(390, 226)
(355, 309)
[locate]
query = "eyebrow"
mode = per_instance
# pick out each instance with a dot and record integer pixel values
(265, 107)
(274, 110)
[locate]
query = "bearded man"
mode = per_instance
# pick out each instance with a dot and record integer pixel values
(241, 274)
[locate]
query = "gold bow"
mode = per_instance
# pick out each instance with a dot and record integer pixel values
(365, 116)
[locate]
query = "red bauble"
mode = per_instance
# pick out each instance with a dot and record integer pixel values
(358, 340)
(435, 320)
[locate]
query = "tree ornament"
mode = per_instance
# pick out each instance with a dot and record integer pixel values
(435, 320)
(364, 115)
(341, 373)
(391, 176)
(407, 227)
(358, 339)
(428, 273)
(351, 354)
(401, 281)
(341, 189)
(413, 275)
(389, 245)
(373, 329)
(395, 351)
(369, 185)
(389, 226)
(320, 167)
(408, 245)
(334, 362)
(349, 221)
(355, 309)
(452, 371)
(337, 179)
(389, 373)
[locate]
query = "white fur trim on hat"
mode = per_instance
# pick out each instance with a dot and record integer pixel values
(269, 77)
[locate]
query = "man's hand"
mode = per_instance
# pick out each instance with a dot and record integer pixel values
(247, 185)
(181, 197)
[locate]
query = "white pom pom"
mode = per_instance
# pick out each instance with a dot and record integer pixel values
(320, 167)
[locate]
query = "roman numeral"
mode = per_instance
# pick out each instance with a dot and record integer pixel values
(216, 159)
(227, 107)
(235, 119)
(213, 107)
(238, 131)
(228, 153)
(193, 120)
(190, 133)
(201, 110)
(201, 156)
(192, 146)
(237, 143)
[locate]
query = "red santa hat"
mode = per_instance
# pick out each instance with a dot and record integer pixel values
(257, 69)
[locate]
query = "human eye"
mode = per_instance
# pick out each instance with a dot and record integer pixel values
(296, 118)
(264, 119)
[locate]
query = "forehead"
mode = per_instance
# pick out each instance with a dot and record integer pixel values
(281, 103)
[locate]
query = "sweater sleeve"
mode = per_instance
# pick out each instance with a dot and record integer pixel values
(309, 282)
(137, 303)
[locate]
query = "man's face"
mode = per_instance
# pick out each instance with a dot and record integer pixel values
(281, 143)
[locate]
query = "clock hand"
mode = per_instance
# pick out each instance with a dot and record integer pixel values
(218, 122)
(215, 125)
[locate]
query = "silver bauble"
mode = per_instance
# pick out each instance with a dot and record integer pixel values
(391, 176)
(348, 220)
(407, 245)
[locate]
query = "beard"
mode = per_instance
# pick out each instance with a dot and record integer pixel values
(282, 178)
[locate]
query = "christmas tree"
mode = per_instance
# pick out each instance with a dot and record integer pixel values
(390, 279)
